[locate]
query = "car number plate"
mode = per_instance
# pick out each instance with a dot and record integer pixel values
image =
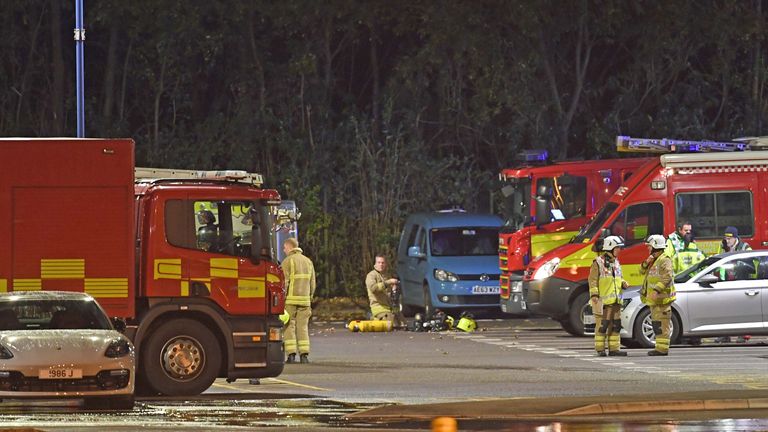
(589, 319)
(477, 289)
(60, 373)
(523, 306)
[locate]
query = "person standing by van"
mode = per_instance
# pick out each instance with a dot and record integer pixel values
(605, 286)
(379, 285)
(658, 291)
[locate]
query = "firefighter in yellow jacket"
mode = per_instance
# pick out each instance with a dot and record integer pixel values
(379, 285)
(658, 292)
(605, 286)
(300, 280)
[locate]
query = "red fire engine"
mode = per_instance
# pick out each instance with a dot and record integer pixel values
(544, 205)
(718, 186)
(185, 257)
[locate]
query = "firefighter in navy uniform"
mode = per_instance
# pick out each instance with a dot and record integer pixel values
(605, 286)
(658, 291)
(300, 279)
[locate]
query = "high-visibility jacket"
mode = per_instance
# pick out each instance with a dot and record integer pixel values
(686, 257)
(605, 279)
(675, 243)
(300, 278)
(739, 246)
(378, 294)
(659, 277)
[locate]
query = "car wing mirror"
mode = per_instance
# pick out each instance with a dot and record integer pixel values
(118, 324)
(707, 280)
(415, 252)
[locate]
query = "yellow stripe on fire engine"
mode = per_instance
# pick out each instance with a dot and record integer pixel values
(224, 268)
(107, 287)
(185, 288)
(543, 243)
(273, 278)
(27, 284)
(250, 287)
(62, 268)
(167, 268)
(3, 285)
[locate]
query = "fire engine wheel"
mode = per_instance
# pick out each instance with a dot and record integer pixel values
(580, 320)
(643, 329)
(182, 357)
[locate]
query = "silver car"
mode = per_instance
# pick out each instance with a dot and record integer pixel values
(56, 344)
(724, 295)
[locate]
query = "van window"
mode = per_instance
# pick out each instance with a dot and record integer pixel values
(637, 222)
(711, 212)
(569, 195)
(421, 241)
(464, 241)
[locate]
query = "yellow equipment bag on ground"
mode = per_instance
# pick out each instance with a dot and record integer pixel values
(370, 326)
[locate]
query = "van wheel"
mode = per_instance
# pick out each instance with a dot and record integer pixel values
(577, 313)
(642, 330)
(406, 310)
(429, 309)
(181, 358)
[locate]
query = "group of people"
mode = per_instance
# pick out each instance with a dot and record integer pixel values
(666, 257)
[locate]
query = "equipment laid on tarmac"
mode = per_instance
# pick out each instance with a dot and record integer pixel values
(440, 321)
(370, 326)
(466, 322)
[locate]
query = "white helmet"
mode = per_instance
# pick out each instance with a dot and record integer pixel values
(656, 241)
(612, 242)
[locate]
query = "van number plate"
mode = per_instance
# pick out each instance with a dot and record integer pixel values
(477, 289)
(59, 373)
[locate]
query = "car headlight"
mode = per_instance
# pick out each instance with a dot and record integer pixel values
(547, 269)
(118, 348)
(445, 276)
(625, 302)
(5, 353)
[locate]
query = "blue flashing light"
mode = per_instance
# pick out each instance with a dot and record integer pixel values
(535, 155)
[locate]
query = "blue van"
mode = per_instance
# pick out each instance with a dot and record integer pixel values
(450, 261)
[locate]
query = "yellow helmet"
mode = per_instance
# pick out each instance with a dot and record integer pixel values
(284, 317)
(449, 321)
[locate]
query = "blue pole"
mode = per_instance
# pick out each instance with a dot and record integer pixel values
(80, 71)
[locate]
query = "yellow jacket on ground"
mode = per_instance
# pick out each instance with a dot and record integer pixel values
(300, 278)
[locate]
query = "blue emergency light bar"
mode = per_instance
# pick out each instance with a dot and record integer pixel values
(534, 155)
(666, 145)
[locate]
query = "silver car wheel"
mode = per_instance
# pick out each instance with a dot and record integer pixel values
(183, 358)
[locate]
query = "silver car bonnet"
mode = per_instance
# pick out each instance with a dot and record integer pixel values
(58, 345)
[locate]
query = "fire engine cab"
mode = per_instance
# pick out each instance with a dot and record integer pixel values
(544, 204)
(710, 184)
(185, 257)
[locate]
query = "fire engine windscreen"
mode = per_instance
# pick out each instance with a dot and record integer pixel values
(464, 241)
(515, 203)
(589, 230)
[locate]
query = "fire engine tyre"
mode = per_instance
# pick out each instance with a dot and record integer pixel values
(642, 329)
(181, 358)
(574, 322)
(429, 309)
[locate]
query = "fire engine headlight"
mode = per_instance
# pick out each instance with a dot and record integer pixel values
(547, 269)
(275, 334)
(445, 276)
(516, 287)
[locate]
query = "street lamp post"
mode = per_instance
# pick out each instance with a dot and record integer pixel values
(80, 71)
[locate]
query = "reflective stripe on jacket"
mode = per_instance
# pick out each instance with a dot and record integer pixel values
(687, 257)
(300, 277)
(659, 277)
(675, 243)
(605, 280)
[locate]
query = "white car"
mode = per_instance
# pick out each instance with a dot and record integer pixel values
(724, 295)
(56, 344)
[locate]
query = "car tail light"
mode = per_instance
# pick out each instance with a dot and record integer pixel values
(5, 353)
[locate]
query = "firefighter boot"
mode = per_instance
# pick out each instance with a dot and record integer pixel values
(304, 358)
(657, 353)
(601, 353)
(617, 353)
(291, 358)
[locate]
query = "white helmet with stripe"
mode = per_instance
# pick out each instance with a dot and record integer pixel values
(656, 241)
(612, 242)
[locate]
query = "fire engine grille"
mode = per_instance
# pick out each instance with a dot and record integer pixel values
(483, 299)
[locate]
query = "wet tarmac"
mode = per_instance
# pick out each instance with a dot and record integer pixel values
(296, 413)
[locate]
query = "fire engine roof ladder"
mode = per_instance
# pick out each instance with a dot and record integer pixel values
(666, 145)
(228, 175)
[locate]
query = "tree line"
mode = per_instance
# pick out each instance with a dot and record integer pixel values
(364, 111)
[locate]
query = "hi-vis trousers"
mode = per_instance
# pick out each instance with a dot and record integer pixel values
(297, 332)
